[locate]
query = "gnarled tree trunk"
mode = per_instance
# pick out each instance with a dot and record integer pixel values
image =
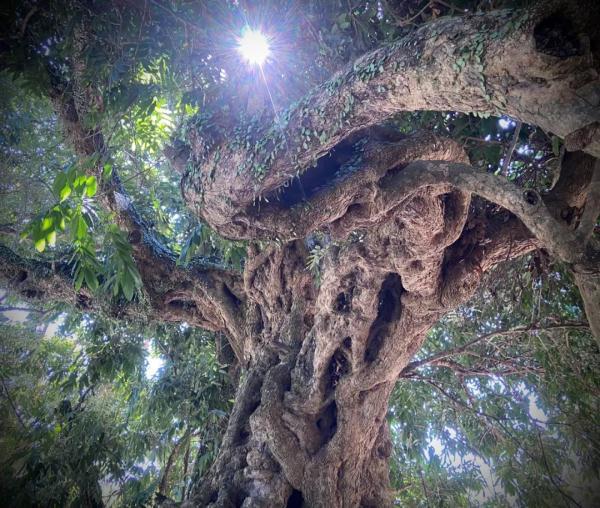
(404, 243)
(405, 233)
(309, 423)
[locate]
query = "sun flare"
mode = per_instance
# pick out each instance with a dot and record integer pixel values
(254, 46)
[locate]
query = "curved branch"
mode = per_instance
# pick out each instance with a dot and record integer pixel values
(467, 64)
(527, 206)
(338, 192)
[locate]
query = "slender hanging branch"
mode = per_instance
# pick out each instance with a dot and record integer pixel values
(488, 337)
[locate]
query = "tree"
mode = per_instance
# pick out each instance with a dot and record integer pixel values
(398, 223)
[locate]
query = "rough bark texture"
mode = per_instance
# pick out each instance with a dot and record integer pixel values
(498, 63)
(407, 227)
(309, 422)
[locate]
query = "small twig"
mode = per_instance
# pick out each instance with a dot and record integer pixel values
(449, 6)
(82, 398)
(12, 404)
(408, 21)
(483, 141)
(488, 336)
(31, 12)
(8, 228)
(551, 476)
(425, 490)
(511, 149)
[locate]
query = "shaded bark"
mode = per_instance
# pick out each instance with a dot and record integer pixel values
(589, 288)
(196, 295)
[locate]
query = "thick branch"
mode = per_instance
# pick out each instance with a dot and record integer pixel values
(37, 280)
(467, 64)
(527, 206)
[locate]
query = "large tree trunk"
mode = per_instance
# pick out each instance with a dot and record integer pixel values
(277, 454)
(319, 359)
(309, 422)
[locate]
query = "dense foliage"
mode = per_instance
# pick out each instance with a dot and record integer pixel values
(508, 416)
(85, 421)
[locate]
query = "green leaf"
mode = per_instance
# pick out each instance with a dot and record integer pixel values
(79, 227)
(82, 228)
(47, 223)
(90, 279)
(127, 285)
(40, 244)
(79, 280)
(80, 183)
(91, 185)
(59, 182)
(106, 171)
(65, 193)
(51, 238)
(61, 186)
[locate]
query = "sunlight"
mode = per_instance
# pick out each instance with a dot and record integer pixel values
(153, 364)
(506, 123)
(254, 46)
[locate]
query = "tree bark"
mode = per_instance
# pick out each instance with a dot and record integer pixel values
(309, 422)
(404, 245)
(500, 63)
(403, 241)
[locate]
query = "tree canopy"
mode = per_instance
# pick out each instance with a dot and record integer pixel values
(363, 271)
